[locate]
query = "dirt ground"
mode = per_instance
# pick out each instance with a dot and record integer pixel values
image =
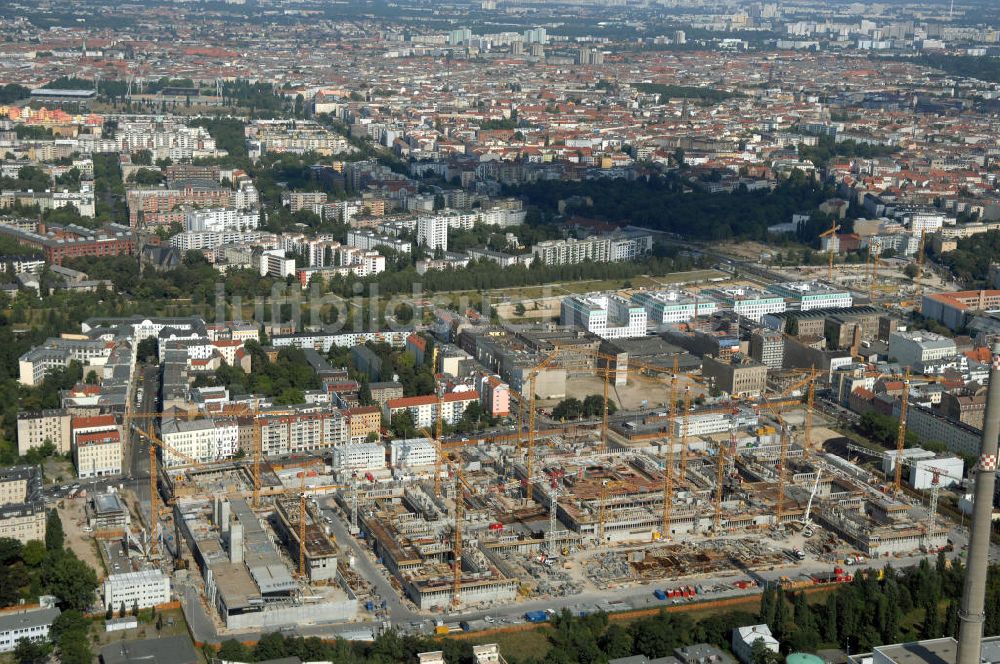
(58, 470)
(629, 396)
(71, 511)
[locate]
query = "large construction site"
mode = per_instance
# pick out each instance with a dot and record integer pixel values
(589, 516)
(687, 494)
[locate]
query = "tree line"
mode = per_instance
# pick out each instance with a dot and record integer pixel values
(666, 203)
(591, 406)
(40, 568)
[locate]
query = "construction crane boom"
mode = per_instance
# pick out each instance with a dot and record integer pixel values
(779, 507)
(897, 483)
(668, 465)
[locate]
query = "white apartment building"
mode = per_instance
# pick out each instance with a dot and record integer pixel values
(607, 316)
(748, 302)
(466, 219)
(97, 446)
(666, 307)
(166, 138)
(807, 295)
(365, 239)
(198, 240)
(273, 263)
(303, 432)
(200, 440)
(146, 588)
(35, 428)
(221, 219)
(56, 353)
(97, 453)
(246, 197)
(358, 456)
(409, 452)
(620, 246)
(423, 409)
(23, 522)
(924, 222)
(432, 232)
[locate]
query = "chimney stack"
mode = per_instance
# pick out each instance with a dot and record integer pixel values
(971, 613)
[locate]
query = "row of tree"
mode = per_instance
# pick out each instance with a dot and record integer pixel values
(592, 406)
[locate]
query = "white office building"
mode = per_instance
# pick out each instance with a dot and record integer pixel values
(748, 302)
(925, 469)
(30, 624)
(146, 588)
(666, 307)
(358, 456)
(432, 232)
(806, 295)
(410, 452)
(607, 316)
(710, 423)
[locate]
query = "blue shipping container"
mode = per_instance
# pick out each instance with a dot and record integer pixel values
(536, 616)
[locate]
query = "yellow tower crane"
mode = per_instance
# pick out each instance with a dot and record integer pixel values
(832, 234)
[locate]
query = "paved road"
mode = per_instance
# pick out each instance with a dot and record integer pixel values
(137, 455)
(377, 575)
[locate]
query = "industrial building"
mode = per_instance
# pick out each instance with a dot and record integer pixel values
(955, 309)
(247, 578)
(740, 376)
(914, 349)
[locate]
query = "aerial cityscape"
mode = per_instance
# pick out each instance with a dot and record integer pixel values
(499, 331)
